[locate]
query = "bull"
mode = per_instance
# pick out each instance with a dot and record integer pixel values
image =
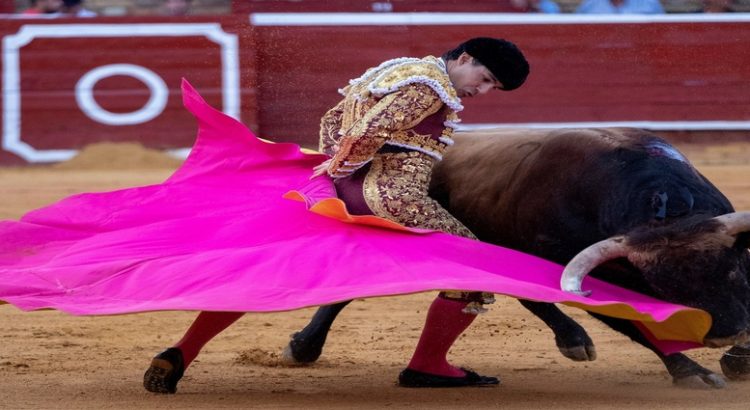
(622, 205)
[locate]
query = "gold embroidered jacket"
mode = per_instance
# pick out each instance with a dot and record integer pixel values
(386, 106)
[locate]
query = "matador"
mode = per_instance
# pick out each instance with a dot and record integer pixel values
(384, 137)
(394, 123)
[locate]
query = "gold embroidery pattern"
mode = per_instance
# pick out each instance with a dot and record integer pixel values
(330, 124)
(423, 143)
(396, 187)
(396, 184)
(450, 121)
(411, 89)
(429, 71)
(388, 119)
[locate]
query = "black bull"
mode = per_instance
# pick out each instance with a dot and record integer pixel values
(553, 193)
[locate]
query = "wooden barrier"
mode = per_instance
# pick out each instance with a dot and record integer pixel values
(663, 75)
(68, 83)
(364, 6)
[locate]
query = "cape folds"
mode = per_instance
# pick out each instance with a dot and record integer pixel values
(221, 234)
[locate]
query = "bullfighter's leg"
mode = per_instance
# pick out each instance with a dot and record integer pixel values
(168, 366)
(380, 188)
(377, 181)
(447, 319)
(684, 371)
(572, 340)
(307, 344)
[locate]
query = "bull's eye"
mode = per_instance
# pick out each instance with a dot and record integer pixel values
(659, 205)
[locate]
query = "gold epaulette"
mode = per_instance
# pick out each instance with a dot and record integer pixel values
(394, 74)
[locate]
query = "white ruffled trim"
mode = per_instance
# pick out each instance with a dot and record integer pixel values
(348, 168)
(452, 124)
(386, 67)
(445, 140)
(356, 164)
(339, 175)
(454, 104)
(441, 64)
(412, 147)
(360, 98)
(370, 72)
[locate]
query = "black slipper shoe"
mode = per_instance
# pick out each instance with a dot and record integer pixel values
(165, 371)
(413, 378)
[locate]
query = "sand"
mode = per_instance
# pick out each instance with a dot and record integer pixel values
(53, 360)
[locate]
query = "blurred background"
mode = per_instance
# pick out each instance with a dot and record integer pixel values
(200, 7)
(78, 72)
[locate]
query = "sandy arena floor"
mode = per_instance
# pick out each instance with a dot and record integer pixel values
(52, 360)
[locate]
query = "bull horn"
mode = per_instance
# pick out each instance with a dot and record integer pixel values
(590, 258)
(735, 223)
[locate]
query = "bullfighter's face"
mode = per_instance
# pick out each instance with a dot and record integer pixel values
(470, 77)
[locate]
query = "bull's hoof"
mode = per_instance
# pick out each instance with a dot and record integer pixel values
(300, 352)
(287, 358)
(735, 363)
(585, 353)
(688, 374)
(575, 344)
(700, 381)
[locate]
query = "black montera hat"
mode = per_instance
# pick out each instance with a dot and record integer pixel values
(504, 60)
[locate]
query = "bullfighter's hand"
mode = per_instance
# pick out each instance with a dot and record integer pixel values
(321, 168)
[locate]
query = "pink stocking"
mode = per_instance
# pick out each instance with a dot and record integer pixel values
(205, 327)
(445, 322)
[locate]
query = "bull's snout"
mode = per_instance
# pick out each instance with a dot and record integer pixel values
(740, 338)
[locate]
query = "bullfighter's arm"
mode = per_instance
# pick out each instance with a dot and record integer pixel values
(400, 110)
(330, 125)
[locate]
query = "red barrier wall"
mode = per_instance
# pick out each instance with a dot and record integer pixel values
(118, 66)
(67, 83)
(580, 72)
(365, 6)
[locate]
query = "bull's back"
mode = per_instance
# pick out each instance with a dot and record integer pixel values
(515, 155)
(494, 169)
(543, 191)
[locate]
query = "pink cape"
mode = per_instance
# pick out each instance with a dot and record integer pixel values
(218, 235)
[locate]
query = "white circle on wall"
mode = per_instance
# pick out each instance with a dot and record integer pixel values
(155, 105)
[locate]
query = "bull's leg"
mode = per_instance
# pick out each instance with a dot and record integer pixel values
(684, 371)
(572, 339)
(307, 344)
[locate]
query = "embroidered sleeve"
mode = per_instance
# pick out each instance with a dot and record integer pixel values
(400, 110)
(330, 125)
